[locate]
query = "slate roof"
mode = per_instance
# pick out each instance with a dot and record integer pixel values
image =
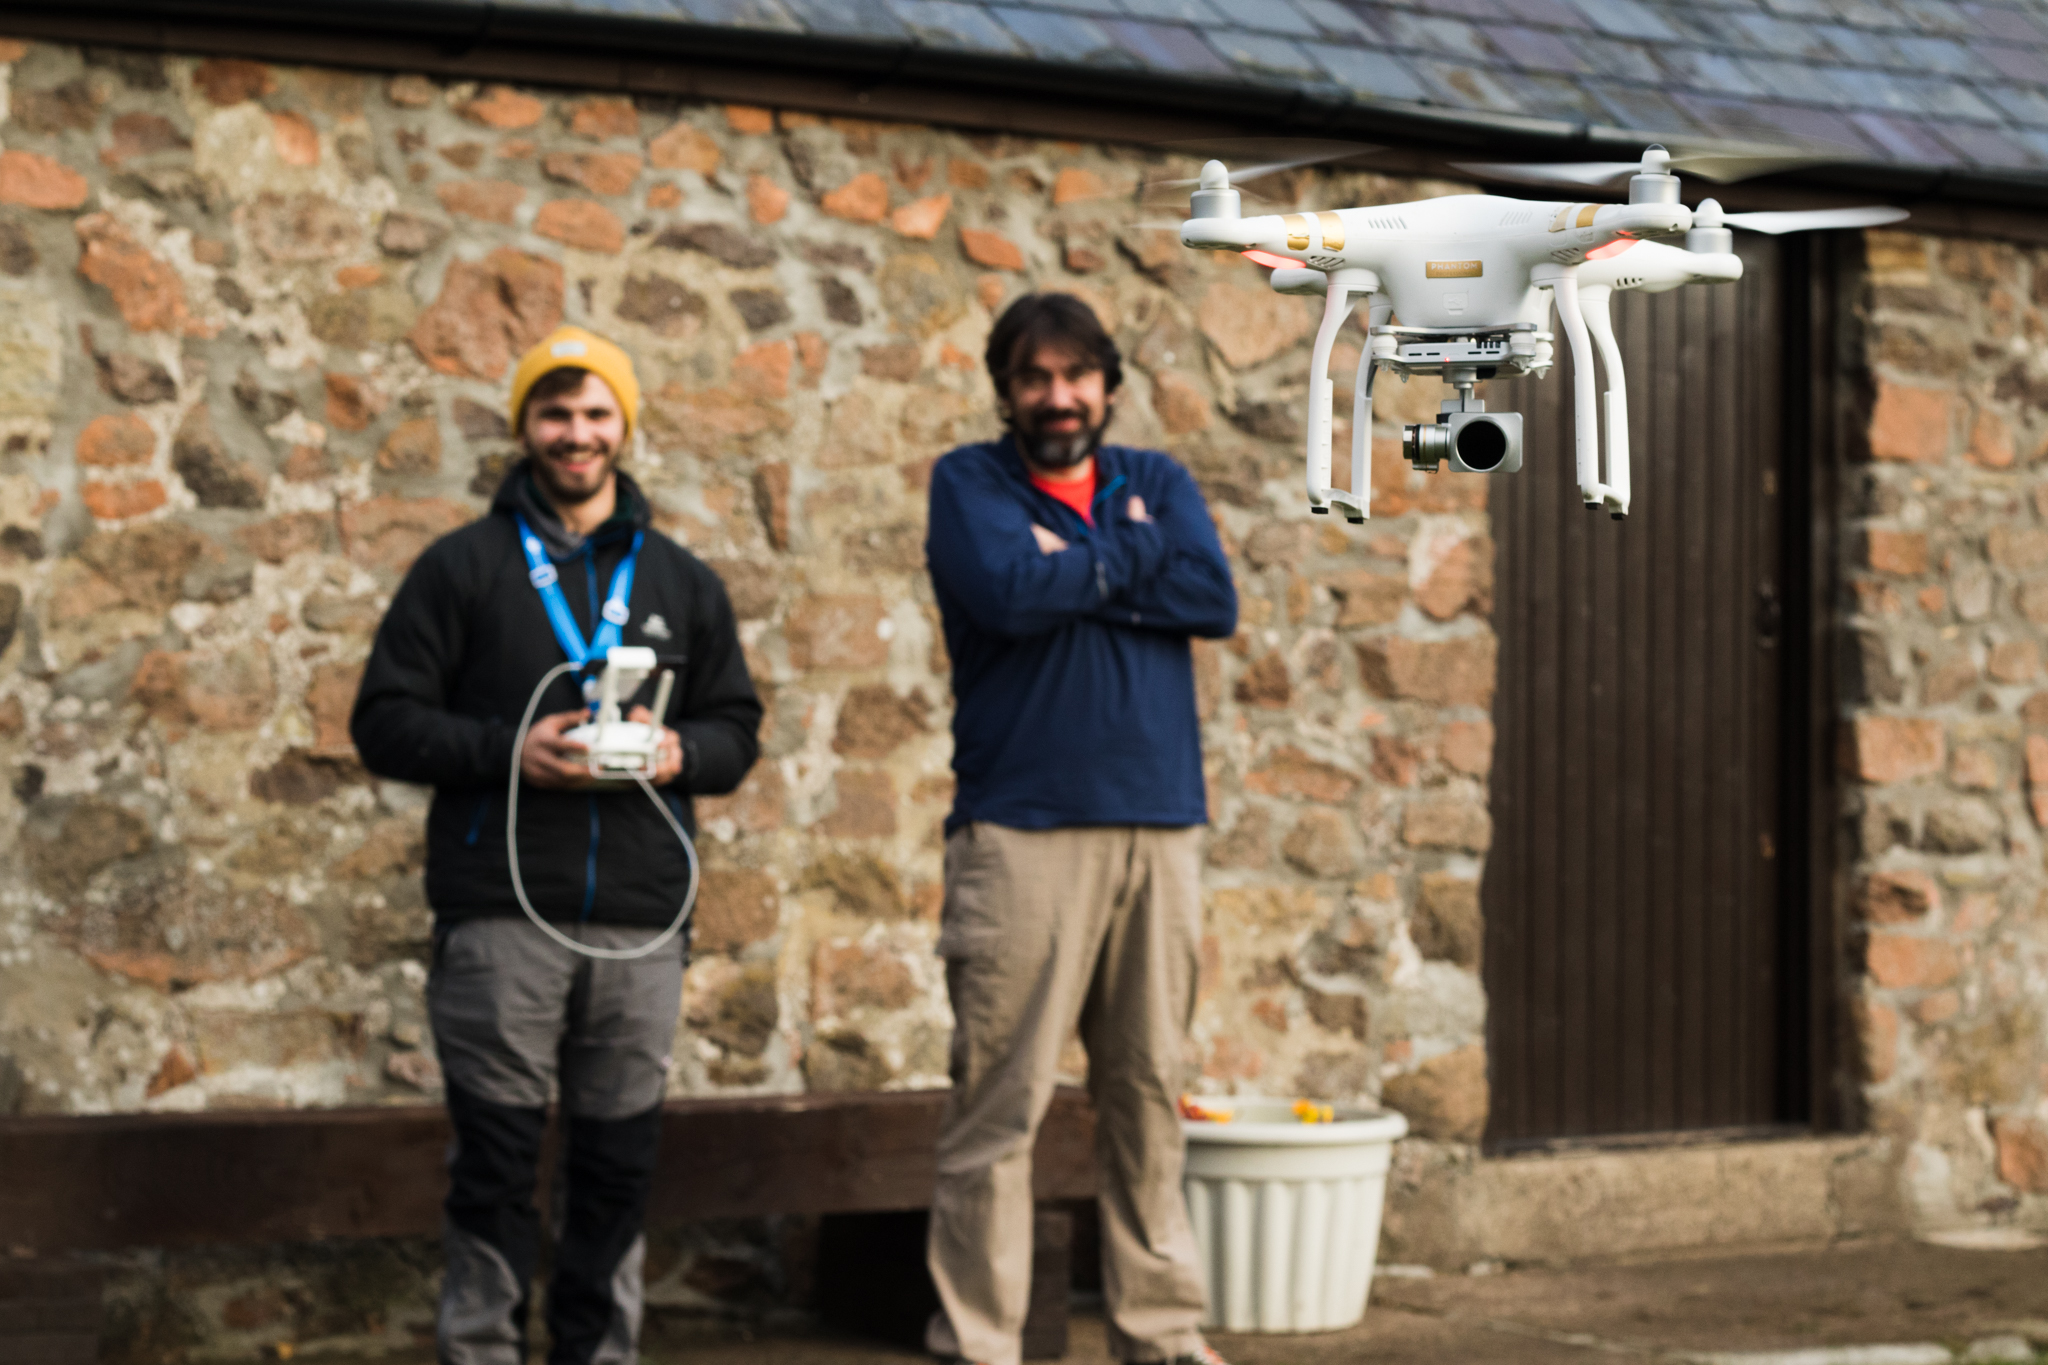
(1913, 82)
(1941, 84)
(1937, 94)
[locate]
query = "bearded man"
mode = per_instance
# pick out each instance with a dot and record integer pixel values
(519, 1019)
(1070, 577)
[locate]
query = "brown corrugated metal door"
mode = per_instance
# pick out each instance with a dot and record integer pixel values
(1634, 943)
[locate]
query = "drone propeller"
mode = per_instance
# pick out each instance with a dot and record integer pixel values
(1711, 233)
(1239, 175)
(1799, 220)
(1276, 156)
(1270, 155)
(1719, 167)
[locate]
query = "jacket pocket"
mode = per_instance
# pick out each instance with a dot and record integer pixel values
(476, 821)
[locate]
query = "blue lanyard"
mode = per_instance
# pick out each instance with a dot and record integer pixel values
(541, 572)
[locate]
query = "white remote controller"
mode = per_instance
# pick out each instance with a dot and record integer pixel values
(622, 750)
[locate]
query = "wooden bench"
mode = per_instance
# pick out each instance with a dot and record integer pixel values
(242, 1177)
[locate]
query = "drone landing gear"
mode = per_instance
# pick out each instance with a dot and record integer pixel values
(1340, 286)
(1354, 510)
(1583, 313)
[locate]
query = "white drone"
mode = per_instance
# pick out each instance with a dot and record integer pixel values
(1473, 278)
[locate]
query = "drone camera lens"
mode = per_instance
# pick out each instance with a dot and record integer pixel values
(1425, 444)
(1482, 445)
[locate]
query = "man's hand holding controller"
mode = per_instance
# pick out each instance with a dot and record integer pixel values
(553, 762)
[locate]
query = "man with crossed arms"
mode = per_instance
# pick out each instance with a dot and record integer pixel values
(1070, 577)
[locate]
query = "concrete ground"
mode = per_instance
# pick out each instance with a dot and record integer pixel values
(1790, 1306)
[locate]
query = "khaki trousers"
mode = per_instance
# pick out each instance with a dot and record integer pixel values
(1043, 930)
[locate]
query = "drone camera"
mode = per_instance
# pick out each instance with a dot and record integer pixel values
(1473, 442)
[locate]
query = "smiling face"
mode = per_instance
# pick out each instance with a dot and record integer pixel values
(573, 437)
(1059, 405)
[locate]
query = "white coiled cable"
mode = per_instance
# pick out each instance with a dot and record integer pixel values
(512, 845)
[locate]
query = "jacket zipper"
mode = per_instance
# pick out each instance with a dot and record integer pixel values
(590, 864)
(476, 822)
(1102, 496)
(596, 828)
(1101, 573)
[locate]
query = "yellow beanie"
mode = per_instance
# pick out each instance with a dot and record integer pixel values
(573, 348)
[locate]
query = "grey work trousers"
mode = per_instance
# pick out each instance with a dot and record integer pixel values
(1044, 930)
(515, 1017)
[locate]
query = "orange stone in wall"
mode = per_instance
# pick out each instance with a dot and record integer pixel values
(606, 173)
(1910, 961)
(120, 439)
(599, 119)
(1896, 552)
(503, 107)
(684, 147)
(1074, 183)
(991, 249)
(582, 224)
(1911, 423)
(1894, 748)
(863, 199)
(766, 200)
(922, 218)
(493, 201)
(119, 501)
(38, 182)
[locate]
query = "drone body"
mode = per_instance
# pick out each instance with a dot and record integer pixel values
(1474, 280)
(1409, 247)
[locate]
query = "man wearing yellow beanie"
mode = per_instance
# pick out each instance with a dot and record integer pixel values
(567, 565)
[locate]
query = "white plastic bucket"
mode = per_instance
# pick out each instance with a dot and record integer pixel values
(1287, 1214)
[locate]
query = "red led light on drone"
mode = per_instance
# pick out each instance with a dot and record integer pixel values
(1269, 260)
(1613, 248)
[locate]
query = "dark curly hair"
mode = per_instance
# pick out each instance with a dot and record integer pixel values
(556, 382)
(1060, 319)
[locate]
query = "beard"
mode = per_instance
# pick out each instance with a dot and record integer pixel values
(1059, 450)
(566, 492)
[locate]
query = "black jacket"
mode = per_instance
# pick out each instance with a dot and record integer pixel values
(457, 657)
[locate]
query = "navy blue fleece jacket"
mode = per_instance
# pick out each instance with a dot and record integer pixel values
(1073, 683)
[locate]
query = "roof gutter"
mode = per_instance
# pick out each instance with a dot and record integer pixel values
(465, 37)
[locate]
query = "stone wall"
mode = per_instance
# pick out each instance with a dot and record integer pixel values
(1944, 733)
(256, 324)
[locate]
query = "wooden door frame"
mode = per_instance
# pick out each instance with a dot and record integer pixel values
(1826, 385)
